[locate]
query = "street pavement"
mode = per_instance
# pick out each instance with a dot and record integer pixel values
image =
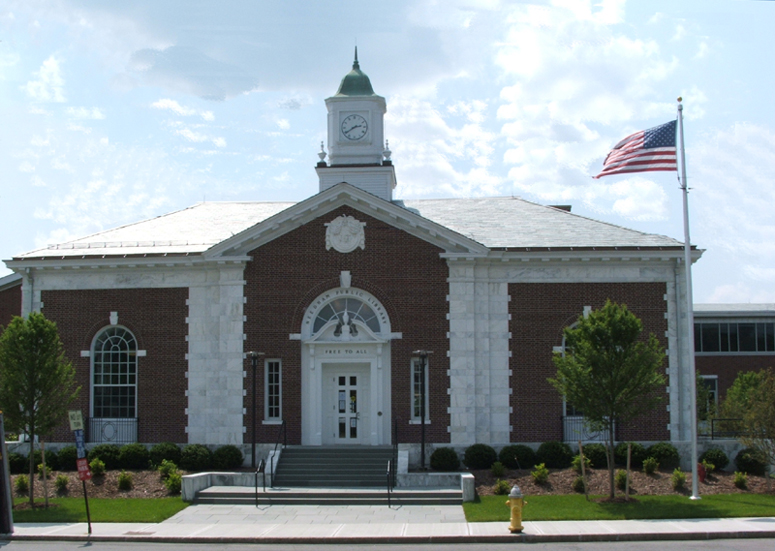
(382, 524)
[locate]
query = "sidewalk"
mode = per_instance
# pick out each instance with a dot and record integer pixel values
(372, 524)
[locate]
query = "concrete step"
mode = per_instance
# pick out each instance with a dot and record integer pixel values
(225, 495)
(321, 466)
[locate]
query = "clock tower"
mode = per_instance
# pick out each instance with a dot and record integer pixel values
(357, 152)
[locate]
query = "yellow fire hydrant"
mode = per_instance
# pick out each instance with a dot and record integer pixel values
(516, 502)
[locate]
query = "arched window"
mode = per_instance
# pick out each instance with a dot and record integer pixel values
(356, 310)
(114, 374)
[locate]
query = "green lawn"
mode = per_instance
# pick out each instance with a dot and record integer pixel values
(575, 507)
(72, 509)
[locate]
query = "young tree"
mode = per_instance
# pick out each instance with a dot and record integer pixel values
(752, 398)
(37, 383)
(608, 372)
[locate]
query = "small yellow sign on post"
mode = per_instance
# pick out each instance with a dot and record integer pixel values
(76, 419)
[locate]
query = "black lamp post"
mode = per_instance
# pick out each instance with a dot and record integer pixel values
(423, 355)
(254, 363)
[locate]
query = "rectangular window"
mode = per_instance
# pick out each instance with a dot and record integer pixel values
(417, 382)
(734, 337)
(272, 390)
(709, 405)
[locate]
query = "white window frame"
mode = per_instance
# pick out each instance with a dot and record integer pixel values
(270, 419)
(712, 391)
(415, 390)
(132, 353)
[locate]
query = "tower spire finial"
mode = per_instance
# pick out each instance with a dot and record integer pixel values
(356, 65)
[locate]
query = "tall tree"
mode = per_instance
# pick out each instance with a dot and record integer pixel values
(752, 399)
(609, 372)
(37, 382)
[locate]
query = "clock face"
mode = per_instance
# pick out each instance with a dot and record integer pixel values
(354, 127)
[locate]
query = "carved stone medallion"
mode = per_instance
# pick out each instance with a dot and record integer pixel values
(345, 234)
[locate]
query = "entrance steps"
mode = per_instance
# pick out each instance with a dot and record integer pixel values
(241, 495)
(333, 467)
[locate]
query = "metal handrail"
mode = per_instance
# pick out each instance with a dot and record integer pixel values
(284, 432)
(730, 428)
(395, 450)
(389, 476)
(260, 469)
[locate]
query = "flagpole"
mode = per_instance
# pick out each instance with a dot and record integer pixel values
(689, 303)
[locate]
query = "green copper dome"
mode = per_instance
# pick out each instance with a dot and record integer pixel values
(356, 82)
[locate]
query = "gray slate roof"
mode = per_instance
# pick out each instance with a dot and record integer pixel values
(496, 222)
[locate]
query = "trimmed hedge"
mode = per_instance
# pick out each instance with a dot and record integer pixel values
(67, 457)
(165, 450)
(751, 461)
(666, 454)
(480, 456)
(596, 453)
(196, 458)
(555, 455)
(107, 453)
(516, 456)
(715, 456)
(637, 456)
(134, 456)
(445, 459)
(227, 457)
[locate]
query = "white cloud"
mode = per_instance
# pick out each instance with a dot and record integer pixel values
(26, 166)
(95, 113)
(173, 106)
(49, 85)
(283, 124)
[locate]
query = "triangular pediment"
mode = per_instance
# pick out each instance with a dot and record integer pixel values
(333, 198)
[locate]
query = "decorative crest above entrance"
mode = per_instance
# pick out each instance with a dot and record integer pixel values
(345, 234)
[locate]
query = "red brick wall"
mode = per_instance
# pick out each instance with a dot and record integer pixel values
(539, 313)
(10, 304)
(402, 271)
(726, 368)
(157, 318)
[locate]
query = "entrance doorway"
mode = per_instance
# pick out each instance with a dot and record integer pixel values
(346, 404)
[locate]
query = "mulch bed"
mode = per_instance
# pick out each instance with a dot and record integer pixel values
(145, 484)
(561, 480)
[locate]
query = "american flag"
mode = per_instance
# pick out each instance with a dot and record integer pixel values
(645, 151)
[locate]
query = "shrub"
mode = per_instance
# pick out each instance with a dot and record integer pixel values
(621, 479)
(124, 481)
(166, 469)
(17, 463)
(174, 483)
(715, 456)
(107, 453)
(751, 461)
(497, 469)
(540, 474)
(650, 465)
(517, 456)
(165, 450)
(97, 467)
(555, 455)
(709, 467)
(134, 456)
(578, 485)
(61, 482)
(196, 457)
(445, 459)
(67, 457)
(637, 455)
(502, 488)
(43, 472)
(666, 454)
(227, 458)
(741, 480)
(480, 456)
(52, 459)
(22, 484)
(678, 479)
(576, 463)
(596, 453)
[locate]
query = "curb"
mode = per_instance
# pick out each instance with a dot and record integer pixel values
(506, 538)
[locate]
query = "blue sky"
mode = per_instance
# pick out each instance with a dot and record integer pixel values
(112, 112)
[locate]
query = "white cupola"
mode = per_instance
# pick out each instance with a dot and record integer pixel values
(356, 138)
